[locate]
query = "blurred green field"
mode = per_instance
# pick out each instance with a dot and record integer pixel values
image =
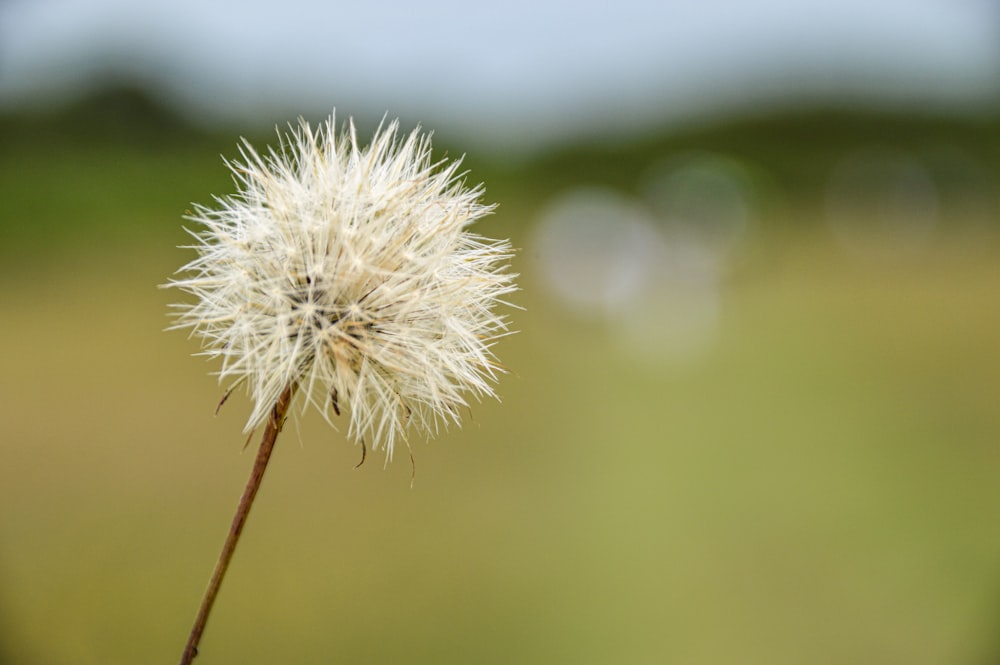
(820, 487)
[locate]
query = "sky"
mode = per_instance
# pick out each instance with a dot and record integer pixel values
(516, 73)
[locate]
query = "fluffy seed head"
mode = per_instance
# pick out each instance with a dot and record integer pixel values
(349, 271)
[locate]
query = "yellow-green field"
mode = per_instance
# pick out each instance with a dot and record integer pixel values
(822, 485)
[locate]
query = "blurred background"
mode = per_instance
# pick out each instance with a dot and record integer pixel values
(752, 411)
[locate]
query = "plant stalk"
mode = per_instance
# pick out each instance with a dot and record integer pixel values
(274, 424)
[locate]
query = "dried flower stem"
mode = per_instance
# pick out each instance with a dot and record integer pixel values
(274, 423)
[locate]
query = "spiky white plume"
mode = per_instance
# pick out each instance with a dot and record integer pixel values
(349, 272)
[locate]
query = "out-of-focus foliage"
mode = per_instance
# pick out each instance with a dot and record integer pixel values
(751, 416)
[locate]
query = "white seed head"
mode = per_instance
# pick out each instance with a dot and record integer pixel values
(350, 272)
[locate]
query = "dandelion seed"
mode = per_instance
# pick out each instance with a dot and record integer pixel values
(350, 272)
(345, 278)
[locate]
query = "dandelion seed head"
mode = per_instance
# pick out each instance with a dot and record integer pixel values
(350, 271)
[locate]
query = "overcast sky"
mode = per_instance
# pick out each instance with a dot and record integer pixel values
(528, 71)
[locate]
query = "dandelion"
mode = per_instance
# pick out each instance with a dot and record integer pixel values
(345, 278)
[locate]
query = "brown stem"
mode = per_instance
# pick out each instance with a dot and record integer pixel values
(274, 424)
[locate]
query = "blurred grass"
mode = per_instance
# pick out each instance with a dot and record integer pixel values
(821, 488)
